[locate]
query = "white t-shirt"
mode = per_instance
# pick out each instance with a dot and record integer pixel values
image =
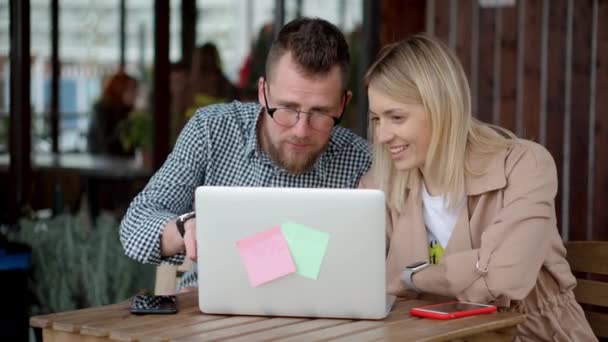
(439, 220)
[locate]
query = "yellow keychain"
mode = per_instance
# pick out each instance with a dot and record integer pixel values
(435, 252)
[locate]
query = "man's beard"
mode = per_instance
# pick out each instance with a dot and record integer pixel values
(293, 166)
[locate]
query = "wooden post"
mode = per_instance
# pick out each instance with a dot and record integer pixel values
(188, 36)
(370, 47)
(20, 108)
(55, 75)
(161, 81)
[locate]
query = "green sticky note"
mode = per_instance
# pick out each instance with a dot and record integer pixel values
(307, 247)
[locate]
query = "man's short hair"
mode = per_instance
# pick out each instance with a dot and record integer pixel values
(316, 46)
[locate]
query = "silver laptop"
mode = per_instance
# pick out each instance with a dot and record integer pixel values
(292, 252)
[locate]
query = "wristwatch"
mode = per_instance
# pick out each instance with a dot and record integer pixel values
(181, 220)
(409, 271)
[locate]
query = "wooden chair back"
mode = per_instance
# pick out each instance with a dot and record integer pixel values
(168, 276)
(589, 262)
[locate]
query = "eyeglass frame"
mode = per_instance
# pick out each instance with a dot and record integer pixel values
(271, 111)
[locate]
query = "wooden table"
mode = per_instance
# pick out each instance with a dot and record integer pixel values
(114, 322)
(87, 164)
(108, 182)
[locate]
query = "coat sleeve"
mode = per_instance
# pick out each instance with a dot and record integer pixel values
(514, 246)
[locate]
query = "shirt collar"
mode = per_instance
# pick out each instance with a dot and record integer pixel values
(251, 142)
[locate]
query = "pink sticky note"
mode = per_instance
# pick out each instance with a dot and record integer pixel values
(266, 256)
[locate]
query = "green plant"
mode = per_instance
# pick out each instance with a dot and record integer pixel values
(75, 267)
(136, 131)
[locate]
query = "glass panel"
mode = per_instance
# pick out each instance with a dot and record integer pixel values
(40, 28)
(89, 48)
(348, 16)
(232, 25)
(175, 31)
(89, 45)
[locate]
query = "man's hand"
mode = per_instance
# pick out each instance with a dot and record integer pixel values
(190, 239)
(172, 243)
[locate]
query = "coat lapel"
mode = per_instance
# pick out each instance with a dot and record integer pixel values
(461, 235)
(489, 175)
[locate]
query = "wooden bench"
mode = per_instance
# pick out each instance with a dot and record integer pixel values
(168, 276)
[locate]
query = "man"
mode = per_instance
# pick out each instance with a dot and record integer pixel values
(292, 140)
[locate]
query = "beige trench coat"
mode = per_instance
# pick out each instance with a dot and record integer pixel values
(505, 248)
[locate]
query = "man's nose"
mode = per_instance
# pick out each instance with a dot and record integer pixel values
(302, 127)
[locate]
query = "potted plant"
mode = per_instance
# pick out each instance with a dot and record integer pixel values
(136, 134)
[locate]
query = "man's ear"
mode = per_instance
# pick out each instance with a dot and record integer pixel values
(349, 96)
(261, 90)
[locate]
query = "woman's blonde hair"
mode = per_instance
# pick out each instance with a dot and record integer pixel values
(423, 70)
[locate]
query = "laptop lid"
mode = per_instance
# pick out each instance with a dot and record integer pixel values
(291, 252)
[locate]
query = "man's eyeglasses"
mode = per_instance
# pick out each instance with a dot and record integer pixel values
(288, 117)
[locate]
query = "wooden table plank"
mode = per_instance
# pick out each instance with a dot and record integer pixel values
(456, 328)
(161, 331)
(436, 330)
(333, 332)
(45, 321)
(289, 330)
(244, 329)
(134, 323)
(67, 321)
(73, 325)
(178, 334)
(399, 312)
(99, 320)
(49, 335)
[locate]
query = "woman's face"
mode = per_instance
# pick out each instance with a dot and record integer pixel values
(403, 128)
(130, 94)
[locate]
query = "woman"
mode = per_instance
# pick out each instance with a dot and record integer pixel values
(470, 206)
(207, 77)
(116, 102)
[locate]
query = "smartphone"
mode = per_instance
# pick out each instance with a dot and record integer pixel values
(451, 310)
(148, 304)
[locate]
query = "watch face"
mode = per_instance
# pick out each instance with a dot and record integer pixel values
(417, 264)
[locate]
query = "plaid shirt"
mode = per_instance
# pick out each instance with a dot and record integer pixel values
(219, 147)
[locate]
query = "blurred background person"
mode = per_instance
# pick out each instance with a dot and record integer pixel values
(179, 97)
(255, 63)
(116, 102)
(208, 83)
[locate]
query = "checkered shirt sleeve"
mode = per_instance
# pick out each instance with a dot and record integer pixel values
(169, 192)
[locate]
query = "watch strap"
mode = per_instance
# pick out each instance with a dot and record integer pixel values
(180, 227)
(406, 278)
(181, 221)
(408, 273)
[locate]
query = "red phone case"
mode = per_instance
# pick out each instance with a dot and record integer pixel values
(428, 312)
